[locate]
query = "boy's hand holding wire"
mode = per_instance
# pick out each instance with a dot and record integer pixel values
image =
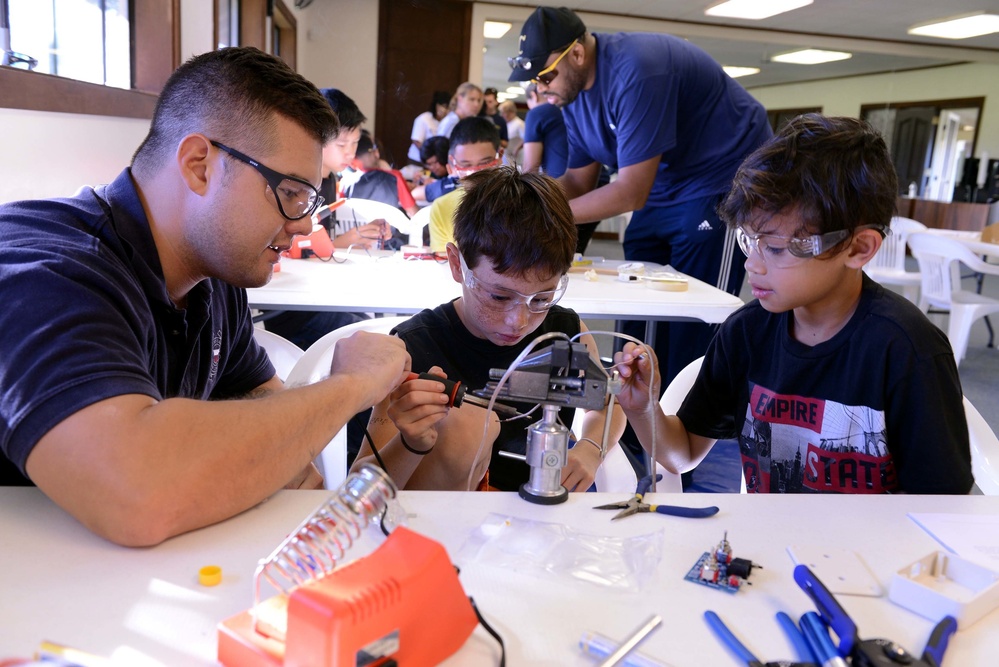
(639, 369)
(417, 407)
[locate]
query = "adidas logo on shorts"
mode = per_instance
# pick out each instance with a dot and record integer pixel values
(705, 226)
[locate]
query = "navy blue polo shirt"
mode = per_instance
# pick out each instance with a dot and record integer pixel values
(544, 124)
(659, 95)
(86, 316)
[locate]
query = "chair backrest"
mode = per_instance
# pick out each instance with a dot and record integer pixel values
(939, 260)
(677, 390)
(368, 210)
(892, 252)
(615, 474)
(984, 451)
(419, 222)
(314, 366)
(282, 352)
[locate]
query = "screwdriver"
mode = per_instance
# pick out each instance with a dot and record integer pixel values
(456, 392)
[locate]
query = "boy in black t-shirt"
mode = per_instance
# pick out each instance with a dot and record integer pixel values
(831, 383)
(514, 239)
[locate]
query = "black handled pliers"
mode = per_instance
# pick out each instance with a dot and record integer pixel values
(636, 504)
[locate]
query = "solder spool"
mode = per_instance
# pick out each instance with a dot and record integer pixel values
(314, 548)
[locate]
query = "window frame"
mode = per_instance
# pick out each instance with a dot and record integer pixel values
(153, 23)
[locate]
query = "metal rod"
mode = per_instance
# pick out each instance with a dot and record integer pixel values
(629, 644)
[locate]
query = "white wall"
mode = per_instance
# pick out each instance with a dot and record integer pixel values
(844, 97)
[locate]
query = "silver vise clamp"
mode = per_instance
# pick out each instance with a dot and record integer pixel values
(561, 375)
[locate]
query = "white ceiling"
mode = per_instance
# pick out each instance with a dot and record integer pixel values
(873, 30)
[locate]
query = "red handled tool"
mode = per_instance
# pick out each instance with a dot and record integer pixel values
(457, 394)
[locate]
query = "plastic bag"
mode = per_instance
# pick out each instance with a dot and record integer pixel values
(543, 549)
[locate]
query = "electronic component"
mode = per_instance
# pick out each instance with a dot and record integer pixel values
(718, 569)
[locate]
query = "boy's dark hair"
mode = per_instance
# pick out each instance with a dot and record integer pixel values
(435, 147)
(490, 91)
(344, 108)
(231, 95)
(365, 144)
(474, 130)
(835, 172)
(521, 222)
(441, 97)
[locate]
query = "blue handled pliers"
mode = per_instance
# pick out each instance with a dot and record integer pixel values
(790, 628)
(636, 504)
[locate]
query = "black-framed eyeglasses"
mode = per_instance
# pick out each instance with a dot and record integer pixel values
(296, 198)
(548, 74)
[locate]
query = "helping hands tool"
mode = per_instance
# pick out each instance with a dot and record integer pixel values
(869, 652)
(636, 505)
(786, 622)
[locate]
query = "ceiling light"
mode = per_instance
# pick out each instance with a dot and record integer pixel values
(502, 97)
(515, 90)
(495, 29)
(755, 9)
(810, 57)
(959, 28)
(736, 72)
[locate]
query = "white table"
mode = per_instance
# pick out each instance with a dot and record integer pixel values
(144, 606)
(390, 284)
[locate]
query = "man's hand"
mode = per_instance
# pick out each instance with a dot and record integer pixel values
(417, 407)
(375, 363)
(581, 466)
(639, 369)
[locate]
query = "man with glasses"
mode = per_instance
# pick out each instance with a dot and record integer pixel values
(513, 245)
(663, 114)
(128, 344)
(831, 383)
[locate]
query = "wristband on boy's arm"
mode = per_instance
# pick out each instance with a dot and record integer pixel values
(418, 452)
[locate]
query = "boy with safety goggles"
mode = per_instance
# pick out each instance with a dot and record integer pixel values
(513, 245)
(830, 382)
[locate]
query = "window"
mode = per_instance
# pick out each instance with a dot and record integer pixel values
(86, 40)
(139, 41)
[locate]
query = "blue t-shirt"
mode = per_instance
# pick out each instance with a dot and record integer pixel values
(544, 124)
(660, 95)
(439, 188)
(86, 317)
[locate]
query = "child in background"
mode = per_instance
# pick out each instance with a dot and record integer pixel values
(831, 383)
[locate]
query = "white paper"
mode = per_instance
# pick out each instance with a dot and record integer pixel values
(974, 537)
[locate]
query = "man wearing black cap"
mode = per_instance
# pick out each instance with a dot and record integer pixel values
(676, 128)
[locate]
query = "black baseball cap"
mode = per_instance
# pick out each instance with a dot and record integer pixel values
(548, 29)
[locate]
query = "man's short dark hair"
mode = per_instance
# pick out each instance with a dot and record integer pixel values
(490, 91)
(435, 147)
(345, 109)
(521, 222)
(835, 172)
(232, 95)
(474, 130)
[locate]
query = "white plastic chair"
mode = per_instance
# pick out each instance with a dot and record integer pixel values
(670, 403)
(615, 474)
(888, 265)
(940, 259)
(984, 451)
(282, 352)
(418, 223)
(314, 366)
(368, 210)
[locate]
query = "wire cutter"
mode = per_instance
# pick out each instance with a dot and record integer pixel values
(744, 654)
(636, 504)
(869, 652)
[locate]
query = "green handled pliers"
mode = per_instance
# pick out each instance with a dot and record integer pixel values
(636, 504)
